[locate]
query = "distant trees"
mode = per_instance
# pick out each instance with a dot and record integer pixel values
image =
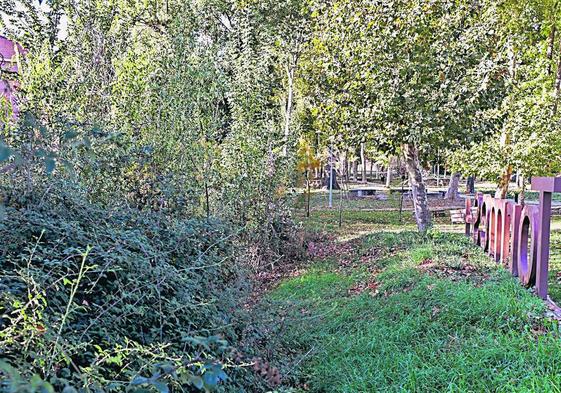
(409, 75)
(196, 103)
(307, 163)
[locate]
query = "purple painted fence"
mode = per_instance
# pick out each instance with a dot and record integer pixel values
(514, 235)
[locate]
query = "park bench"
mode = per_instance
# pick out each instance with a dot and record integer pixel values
(457, 216)
(362, 192)
(432, 194)
(438, 194)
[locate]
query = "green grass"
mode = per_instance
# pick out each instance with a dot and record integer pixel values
(555, 261)
(405, 312)
(319, 200)
(442, 317)
(359, 216)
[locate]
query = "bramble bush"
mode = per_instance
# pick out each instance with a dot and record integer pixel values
(103, 298)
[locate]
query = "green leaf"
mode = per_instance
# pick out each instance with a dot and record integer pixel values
(70, 135)
(5, 152)
(43, 130)
(210, 379)
(29, 120)
(40, 153)
(87, 143)
(196, 381)
(139, 380)
(50, 165)
(161, 387)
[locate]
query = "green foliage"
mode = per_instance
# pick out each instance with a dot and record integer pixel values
(96, 297)
(151, 134)
(402, 71)
(149, 175)
(525, 134)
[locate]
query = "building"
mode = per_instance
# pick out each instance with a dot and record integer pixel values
(10, 53)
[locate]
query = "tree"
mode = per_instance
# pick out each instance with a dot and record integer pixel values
(525, 134)
(410, 75)
(453, 187)
(307, 163)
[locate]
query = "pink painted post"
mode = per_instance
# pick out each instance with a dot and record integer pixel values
(485, 235)
(528, 247)
(502, 230)
(546, 186)
(516, 211)
(479, 218)
(479, 225)
(491, 228)
(470, 220)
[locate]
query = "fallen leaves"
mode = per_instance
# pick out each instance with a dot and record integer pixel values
(371, 287)
(462, 271)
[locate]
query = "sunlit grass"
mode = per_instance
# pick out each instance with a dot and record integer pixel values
(439, 329)
(362, 216)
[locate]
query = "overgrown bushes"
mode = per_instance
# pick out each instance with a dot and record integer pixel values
(96, 297)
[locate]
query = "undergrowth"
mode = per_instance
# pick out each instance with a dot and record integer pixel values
(108, 299)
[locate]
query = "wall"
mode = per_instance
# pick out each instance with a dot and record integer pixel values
(9, 58)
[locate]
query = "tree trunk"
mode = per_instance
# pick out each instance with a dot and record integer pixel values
(453, 187)
(330, 172)
(363, 162)
(550, 47)
(418, 189)
(355, 170)
(504, 182)
(389, 173)
(288, 115)
(470, 185)
(309, 194)
(522, 194)
(346, 168)
(344, 189)
(557, 84)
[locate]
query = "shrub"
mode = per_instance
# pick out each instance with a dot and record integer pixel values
(105, 297)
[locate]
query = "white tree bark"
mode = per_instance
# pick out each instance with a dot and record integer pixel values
(288, 114)
(389, 173)
(453, 187)
(363, 162)
(418, 189)
(355, 170)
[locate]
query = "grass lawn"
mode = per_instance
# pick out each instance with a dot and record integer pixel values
(555, 260)
(393, 311)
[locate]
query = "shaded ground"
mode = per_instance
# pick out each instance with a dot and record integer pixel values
(393, 311)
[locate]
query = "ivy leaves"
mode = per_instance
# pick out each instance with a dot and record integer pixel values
(212, 375)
